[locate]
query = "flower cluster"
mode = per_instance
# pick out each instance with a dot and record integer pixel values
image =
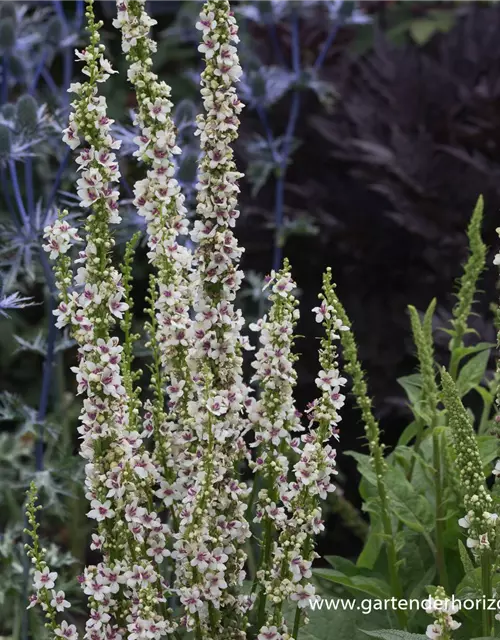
(120, 474)
(212, 528)
(163, 476)
(443, 610)
(51, 601)
(289, 503)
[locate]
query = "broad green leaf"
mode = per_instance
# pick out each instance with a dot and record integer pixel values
(412, 508)
(373, 544)
(472, 373)
(412, 384)
(395, 634)
(365, 584)
(343, 565)
(467, 351)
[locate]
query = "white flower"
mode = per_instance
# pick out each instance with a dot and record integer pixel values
(67, 631)
(434, 631)
(44, 579)
(465, 522)
(217, 405)
(303, 595)
(269, 633)
(58, 601)
(100, 511)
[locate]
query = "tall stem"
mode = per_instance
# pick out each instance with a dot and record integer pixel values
(438, 489)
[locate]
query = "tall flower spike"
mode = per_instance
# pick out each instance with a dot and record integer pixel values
(479, 523)
(274, 419)
(125, 589)
(44, 580)
(159, 200)
(213, 529)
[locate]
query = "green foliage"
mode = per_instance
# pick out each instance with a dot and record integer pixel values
(435, 476)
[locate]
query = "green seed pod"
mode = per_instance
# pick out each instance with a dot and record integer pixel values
(26, 113)
(54, 31)
(5, 141)
(8, 111)
(8, 10)
(7, 34)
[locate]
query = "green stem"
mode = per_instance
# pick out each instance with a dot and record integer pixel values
(296, 625)
(416, 448)
(392, 558)
(440, 557)
(487, 588)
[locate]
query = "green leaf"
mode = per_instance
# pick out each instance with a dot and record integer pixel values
(472, 373)
(365, 584)
(488, 448)
(395, 634)
(410, 432)
(343, 565)
(373, 544)
(412, 384)
(461, 352)
(364, 466)
(342, 624)
(413, 509)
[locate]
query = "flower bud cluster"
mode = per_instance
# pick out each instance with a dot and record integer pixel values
(479, 521)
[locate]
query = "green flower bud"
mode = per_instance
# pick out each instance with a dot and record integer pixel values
(5, 141)
(26, 113)
(7, 34)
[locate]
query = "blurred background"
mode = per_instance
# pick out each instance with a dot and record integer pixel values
(369, 131)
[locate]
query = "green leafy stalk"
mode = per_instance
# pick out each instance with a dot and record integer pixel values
(478, 521)
(376, 448)
(422, 333)
(468, 286)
